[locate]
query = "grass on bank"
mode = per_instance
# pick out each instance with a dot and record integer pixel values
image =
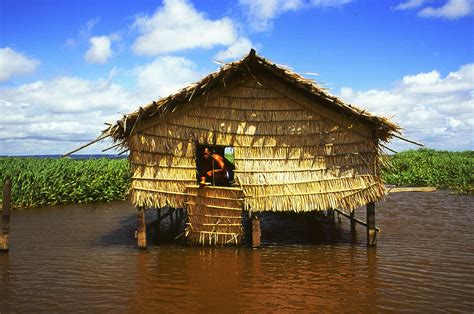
(38, 181)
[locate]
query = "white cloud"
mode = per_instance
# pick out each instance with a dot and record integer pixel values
(329, 3)
(71, 43)
(261, 13)
(439, 131)
(63, 113)
(410, 4)
(55, 116)
(86, 29)
(236, 50)
(422, 78)
(66, 95)
(452, 9)
(99, 51)
(453, 122)
(179, 26)
(13, 63)
(165, 75)
(84, 34)
(437, 111)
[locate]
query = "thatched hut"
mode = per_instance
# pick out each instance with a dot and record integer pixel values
(295, 148)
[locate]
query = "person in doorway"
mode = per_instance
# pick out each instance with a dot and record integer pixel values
(213, 170)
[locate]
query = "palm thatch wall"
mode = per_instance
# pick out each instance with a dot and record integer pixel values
(286, 156)
(293, 151)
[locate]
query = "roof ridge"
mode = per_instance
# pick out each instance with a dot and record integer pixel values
(124, 127)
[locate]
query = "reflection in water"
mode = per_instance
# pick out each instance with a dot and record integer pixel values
(83, 257)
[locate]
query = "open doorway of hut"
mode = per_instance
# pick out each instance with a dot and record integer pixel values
(215, 165)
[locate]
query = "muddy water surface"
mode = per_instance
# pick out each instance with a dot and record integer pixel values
(83, 258)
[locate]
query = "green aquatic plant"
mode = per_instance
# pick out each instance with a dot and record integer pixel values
(428, 167)
(46, 181)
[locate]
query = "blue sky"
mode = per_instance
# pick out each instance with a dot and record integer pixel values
(66, 67)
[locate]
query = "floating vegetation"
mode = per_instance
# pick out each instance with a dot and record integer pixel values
(47, 181)
(428, 167)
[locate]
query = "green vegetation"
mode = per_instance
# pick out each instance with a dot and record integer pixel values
(47, 181)
(427, 167)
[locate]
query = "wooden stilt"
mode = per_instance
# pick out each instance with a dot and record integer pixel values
(255, 231)
(172, 220)
(7, 200)
(177, 221)
(353, 223)
(371, 230)
(353, 233)
(158, 214)
(158, 221)
(141, 228)
(331, 215)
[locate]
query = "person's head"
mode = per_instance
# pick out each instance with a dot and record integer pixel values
(206, 153)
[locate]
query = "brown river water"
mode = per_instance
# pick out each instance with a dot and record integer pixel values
(84, 258)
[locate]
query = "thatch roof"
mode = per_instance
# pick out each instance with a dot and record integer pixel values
(250, 64)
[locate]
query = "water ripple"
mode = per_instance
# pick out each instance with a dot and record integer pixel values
(83, 258)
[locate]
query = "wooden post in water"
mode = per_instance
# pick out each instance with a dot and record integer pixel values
(353, 236)
(7, 200)
(179, 218)
(255, 231)
(371, 231)
(353, 223)
(158, 221)
(172, 222)
(176, 221)
(141, 228)
(331, 215)
(370, 211)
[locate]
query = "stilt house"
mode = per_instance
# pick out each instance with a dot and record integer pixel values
(292, 147)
